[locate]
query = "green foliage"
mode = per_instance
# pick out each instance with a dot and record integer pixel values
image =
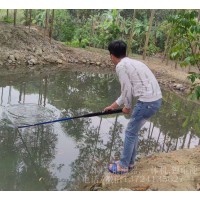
(193, 76)
(64, 26)
(40, 18)
(152, 49)
(98, 30)
(195, 89)
(140, 29)
(8, 19)
(95, 28)
(76, 43)
(161, 33)
(186, 30)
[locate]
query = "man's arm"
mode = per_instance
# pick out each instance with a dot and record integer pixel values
(126, 89)
(126, 94)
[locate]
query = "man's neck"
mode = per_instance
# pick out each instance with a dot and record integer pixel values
(118, 60)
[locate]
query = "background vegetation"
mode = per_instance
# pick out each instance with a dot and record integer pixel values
(170, 34)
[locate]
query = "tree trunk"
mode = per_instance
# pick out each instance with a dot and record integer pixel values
(45, 91)
(184, 139)
(40, 93)
(96, 144)
(176, 64)
(166, 47)
(197, 50)
(20, 93)
(7, 14)
(1, 95)
(24, 97)
(189, 142)
(51, 27)
(46, 22)
(9, 95)
(15, 16)
(148, 34)
(175, 148)
(26, 17)
(171, 41)
(169, 144)
(157, 142)
(163, 147)
(30, 20)
(113, 137)
(131, 34)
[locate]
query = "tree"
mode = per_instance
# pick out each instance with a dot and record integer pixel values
(46, 21)
(51, 26)
(186, 31)
(7, 14)
(15, 16)
(30, 20)
(129, 43)
(64, 26)
(148, 34)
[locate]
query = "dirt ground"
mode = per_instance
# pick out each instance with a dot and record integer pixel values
(23, 51)
(174, 171)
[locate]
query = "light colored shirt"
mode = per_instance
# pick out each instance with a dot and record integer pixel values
(136, 80)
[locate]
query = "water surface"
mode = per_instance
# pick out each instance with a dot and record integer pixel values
(72, 154)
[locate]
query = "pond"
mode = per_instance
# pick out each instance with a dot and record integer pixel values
(69, 155)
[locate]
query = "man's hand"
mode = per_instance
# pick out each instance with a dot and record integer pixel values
(111, 107)
(108, 108)
(126, 110)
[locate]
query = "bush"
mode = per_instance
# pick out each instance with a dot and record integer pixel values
(8, 20)
(152, 49)
(76, 43)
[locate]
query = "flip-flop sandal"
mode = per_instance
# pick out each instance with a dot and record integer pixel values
(114, 170)
(130, 167)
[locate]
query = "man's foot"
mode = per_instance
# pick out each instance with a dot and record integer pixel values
(115, 168)
(131, 167)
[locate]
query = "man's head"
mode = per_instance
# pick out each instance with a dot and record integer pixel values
(117, 49)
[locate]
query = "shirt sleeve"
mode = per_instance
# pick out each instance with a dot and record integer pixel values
(119, 101)
(126, 93)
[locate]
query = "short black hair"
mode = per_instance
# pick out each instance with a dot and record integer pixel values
(118, 48)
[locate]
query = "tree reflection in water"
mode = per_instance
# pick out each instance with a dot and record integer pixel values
(25, 157)
(28, 158)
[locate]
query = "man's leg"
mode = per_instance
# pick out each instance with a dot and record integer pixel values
(148, 110)
(131, 136)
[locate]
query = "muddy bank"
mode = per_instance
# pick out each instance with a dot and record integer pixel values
(31, 50)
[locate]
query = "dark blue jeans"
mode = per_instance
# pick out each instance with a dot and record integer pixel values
(141, 112)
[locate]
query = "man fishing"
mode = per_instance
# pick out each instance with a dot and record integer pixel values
(138, 81)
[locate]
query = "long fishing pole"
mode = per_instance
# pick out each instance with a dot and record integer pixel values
(70, 118)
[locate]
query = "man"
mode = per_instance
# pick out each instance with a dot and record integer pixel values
(138, 81)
